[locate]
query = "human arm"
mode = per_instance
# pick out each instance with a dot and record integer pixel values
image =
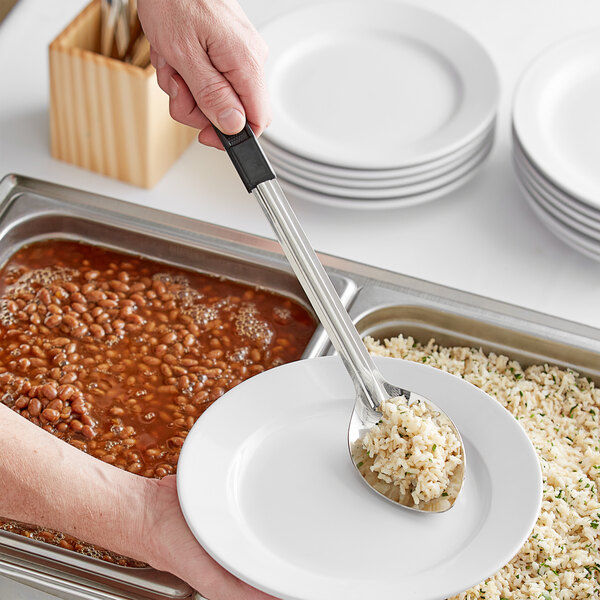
(209, 59)
(45, 481)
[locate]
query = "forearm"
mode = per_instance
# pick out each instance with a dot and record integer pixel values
(47, 482)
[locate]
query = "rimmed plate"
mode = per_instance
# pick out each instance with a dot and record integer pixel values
(369, 175)
(573, 238)
(360, 193)
(570, 204)
(266, 485)
(384, 183)
(400, 201)
(555, 104)
(552, 206)
(375, 85)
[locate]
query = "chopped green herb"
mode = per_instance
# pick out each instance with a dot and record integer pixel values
(435, 446)
(360, 464)
(445, 494)
(594, 524)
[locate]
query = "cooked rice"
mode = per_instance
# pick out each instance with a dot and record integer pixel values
(558, 409)
(412, 450)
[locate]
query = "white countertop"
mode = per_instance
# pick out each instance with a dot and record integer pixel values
(482, 238)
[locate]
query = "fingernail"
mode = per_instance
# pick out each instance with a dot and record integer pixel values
(231, 121)
(173, 88)
(160, 62)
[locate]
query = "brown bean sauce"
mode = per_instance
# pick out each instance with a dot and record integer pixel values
(119, 355)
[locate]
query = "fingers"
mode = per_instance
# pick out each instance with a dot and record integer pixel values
(153, 57)
(179, 552)
(208, 137)
(221, 585)
(183, 107)
(213, 57)
(164, 72)
(214, 95)
(248, 80)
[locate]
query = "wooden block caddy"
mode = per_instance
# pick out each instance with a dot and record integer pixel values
(106, 115)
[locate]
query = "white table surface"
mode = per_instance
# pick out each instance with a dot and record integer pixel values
(482, 238)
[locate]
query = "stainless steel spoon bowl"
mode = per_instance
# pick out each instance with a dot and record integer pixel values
(371, 388)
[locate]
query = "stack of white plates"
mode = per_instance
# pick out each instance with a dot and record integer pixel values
(376, 105)
(556, 135)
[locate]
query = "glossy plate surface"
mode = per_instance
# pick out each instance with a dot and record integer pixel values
(555, 208)
(267, 487)
(375, 85)
(302, 193)
(555, 112)
(568, 203)
(565, 232)
(366, 177)
(354, 192)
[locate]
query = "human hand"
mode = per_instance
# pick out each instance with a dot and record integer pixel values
(209, 60)
(129, 514)
(173, 548)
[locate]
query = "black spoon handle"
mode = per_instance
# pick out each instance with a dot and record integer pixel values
(247, 157)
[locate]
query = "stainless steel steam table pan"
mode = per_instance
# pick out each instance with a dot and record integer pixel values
(381, 303)
(33, 210)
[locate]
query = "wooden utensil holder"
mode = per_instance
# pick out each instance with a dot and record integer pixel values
(107, 115)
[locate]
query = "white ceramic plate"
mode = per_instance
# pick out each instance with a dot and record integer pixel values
(555, 111)
(375, 84)
(555, 209)
(266, 485)
(573, 206)
(360, 193)
(368, 176)
(384, 183)
(566, 234)
(302, 193)
(555, 212)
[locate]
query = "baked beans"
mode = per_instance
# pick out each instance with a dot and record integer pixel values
(119, 355)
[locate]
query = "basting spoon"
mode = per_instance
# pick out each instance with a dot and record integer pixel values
(371, 388)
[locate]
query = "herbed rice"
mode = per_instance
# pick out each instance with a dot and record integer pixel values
(558, 409)
(412, 450)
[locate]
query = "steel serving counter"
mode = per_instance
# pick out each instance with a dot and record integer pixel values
(381, 303)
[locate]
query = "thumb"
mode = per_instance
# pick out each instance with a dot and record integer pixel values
(213, 94)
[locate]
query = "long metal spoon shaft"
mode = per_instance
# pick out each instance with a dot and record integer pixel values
(321, 293)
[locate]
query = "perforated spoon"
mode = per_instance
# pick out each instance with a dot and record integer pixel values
(371, 388)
